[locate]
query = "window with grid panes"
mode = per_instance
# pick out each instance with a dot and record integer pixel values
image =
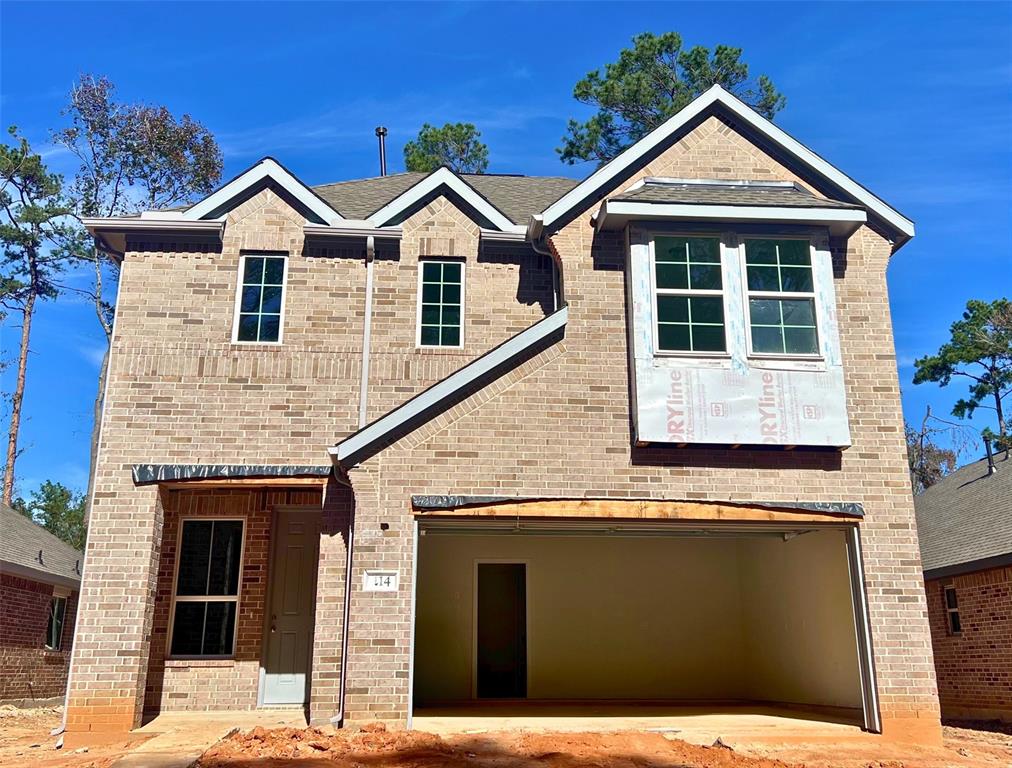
(441, 303)
(781, 297)
(689, 294)
(260, 299)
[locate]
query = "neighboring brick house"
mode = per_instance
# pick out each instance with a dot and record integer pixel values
(965, 527)
(40, 577)
(631, 438)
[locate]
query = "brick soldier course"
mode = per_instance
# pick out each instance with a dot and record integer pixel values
(553, 424)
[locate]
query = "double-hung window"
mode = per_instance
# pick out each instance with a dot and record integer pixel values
(952, 609)
(781, 297)
(688, 289)
(54, 629)
(440, 303)
(261, 299)
(206, 599)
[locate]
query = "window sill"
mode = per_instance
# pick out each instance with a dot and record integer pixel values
(256, 344)
(172, 663)
(787, 362)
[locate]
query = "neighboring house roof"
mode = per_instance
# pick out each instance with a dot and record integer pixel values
(765, 193)
(964, 522)
(718, 101)
(518, 197)
(30, 551)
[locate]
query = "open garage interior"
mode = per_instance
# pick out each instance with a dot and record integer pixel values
(531, 614)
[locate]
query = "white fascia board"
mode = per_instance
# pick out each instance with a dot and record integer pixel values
(617, 212)
(436, 179)
(268, 167)
(352, 228)
(513, 236)
(614, 169)
(448, 386)
(136, 223)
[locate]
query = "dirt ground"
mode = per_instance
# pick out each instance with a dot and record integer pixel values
(25, 741)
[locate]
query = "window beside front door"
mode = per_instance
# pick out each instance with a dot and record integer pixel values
(260, 301)
(206, 594)
(440, 303)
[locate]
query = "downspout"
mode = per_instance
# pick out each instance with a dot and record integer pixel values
(363, 415)
(538, 242)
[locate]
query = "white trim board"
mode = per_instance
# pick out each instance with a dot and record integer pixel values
(443, 177)
(266, 168)
(447, 387)
(614, 214)
(612, 171)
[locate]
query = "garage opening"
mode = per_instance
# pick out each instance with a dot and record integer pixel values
(529, 614)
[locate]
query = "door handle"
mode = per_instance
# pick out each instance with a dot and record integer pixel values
(274, 623)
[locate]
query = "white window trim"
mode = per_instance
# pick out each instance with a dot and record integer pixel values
(946, 589)
(57, 595)
(655, 291)
(747, 295)
(418, 307)
(238, 297)
(204, 598)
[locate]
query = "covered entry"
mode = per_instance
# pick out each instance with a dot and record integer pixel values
(707, 614)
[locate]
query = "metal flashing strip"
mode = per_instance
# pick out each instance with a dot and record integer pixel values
(146, 474)
(424, 502)
(615, 213)
(473, 376)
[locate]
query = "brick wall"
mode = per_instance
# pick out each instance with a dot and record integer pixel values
(180, 392)
(559, 427)
(28, 670)
(974, 667)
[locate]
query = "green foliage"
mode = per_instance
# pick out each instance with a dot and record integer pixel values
(979, 350)
(57, 509)
(455, 145)
(648, 84)
(36, 233)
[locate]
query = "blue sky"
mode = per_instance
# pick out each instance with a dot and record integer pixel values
(913, 100)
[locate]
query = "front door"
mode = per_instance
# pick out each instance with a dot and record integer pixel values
(292, 597)
(501, 631)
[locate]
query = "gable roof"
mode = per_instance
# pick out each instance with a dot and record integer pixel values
(518, 197)
(716, 100)
(964, 522)
(30, 551)
(263, 173)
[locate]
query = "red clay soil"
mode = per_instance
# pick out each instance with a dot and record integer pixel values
(377, 748)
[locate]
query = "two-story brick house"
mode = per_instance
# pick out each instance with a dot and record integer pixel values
(435, 439)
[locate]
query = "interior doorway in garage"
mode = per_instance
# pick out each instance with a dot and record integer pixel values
(538, 613)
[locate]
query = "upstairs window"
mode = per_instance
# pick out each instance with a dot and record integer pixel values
(440, 303)
(54, 629)
(952, 610)
(261, 299)
(688, 290)
(781, 297)
(206, 596)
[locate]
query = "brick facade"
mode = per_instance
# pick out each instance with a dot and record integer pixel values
(556, 426)
(29, 671)
(974, 667)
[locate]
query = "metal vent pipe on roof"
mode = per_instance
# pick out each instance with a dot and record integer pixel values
(381, 134)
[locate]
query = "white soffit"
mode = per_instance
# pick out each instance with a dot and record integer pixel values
(440, 177)
(266, 168)
(607, 174)
(615, 214)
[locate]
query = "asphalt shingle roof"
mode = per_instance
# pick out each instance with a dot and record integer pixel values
(729, 194)
(21, 541)
(518, 197)
(967, 516)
